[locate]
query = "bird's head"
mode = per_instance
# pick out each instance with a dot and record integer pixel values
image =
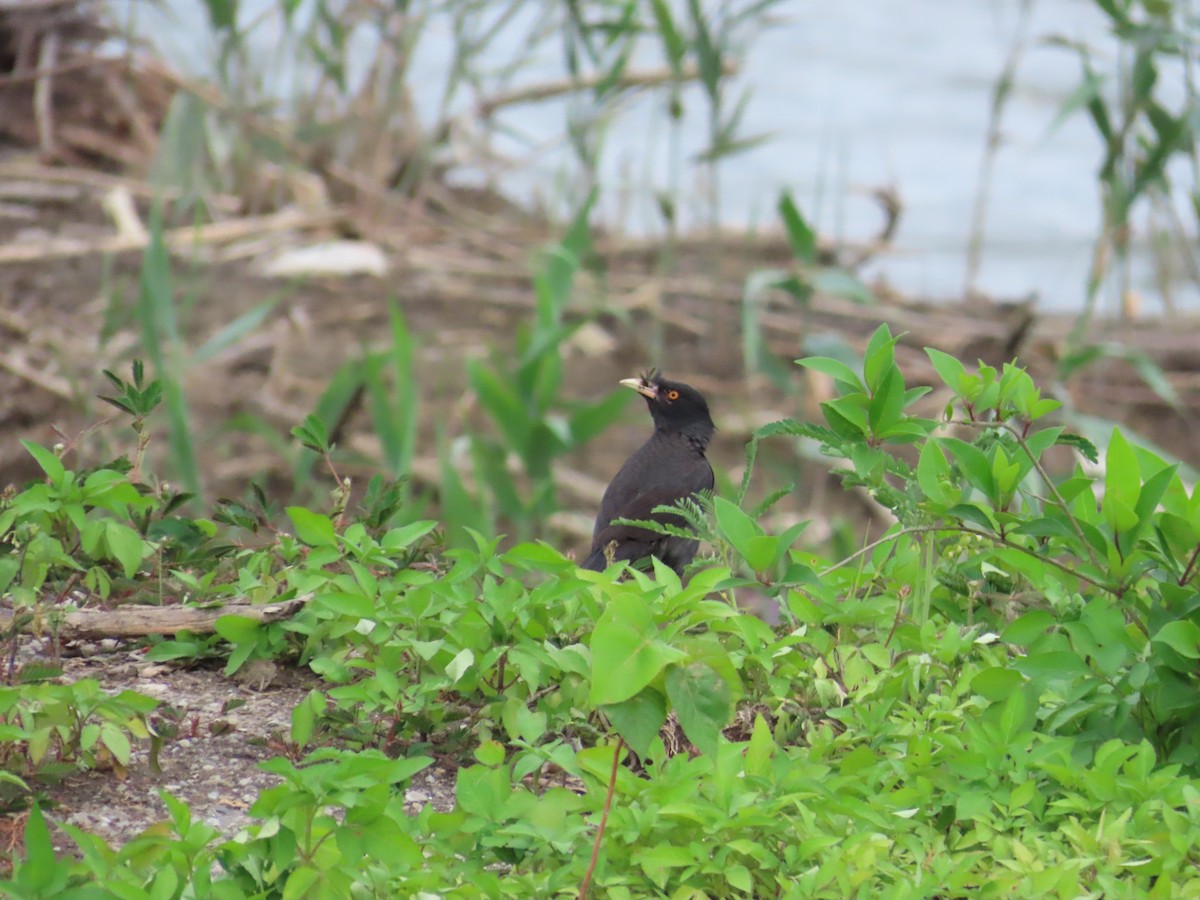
(674, 406)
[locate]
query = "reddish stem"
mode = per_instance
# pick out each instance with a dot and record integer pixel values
(612, 786)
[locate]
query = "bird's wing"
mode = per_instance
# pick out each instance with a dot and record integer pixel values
(640, 507)
(632, 542)
(636, 480)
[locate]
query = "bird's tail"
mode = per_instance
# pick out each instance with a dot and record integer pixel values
(595, 561)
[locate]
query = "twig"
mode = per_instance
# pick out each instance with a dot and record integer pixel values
(960, 529)
(1062, 567)
(43, 94)
(82, 139)
(558, 87)
(612, 786)
(893, 207)
(1191, 564)
(883, 540)
(144, 131)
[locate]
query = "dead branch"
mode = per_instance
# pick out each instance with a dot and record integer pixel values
(143, 621)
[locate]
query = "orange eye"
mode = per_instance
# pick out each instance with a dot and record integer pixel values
(672, 395)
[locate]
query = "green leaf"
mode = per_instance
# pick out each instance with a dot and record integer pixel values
(880, 357)
(847, 416)
(627, 653)
(949, 369)
(304, 717)
(739, 878)
(673, 43)
(836, 369)
(762, 551)
(702, 702)
(405, 536)
(538, 557)
(300, 882)
(502, 403)
(589, 421)
(1120, 516)
(312, 528)
(972, 512)
(1052, 665)
(887, 405)
(1151, 494)
(1122, 476)
(799, 233)
(784, 542)
(1085, 447)
(1100, 635)
(1025, 629)
(760, 748)
(39, 867)
(312, 433)
(233, 333)
(50, 464)
(1005, 473)
(1182, 636)
(737, 527)
(932, 471)
(125, 545)
(996, 683)
(841, 283)
(237, 629)
(460, 665)
(639, 719)
(975, 465)
(490, 753)
(117, 742)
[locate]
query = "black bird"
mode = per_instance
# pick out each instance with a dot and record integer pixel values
(668, 467)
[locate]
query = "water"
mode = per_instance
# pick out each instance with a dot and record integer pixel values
(856, 95)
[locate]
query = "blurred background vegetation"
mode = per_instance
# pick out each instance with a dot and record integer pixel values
(446, 228)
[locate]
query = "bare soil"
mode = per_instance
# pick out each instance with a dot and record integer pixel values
(223, 727)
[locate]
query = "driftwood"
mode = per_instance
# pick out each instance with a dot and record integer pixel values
(144, 621)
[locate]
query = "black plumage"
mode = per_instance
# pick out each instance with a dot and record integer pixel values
(671, 465)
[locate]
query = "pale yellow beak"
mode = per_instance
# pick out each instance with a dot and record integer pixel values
(646, 390)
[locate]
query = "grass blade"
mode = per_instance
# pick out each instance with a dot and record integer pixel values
(160, 340)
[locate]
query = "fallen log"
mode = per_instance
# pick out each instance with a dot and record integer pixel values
(144, 621)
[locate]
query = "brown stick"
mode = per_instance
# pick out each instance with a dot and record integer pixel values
(142, 621)
(608, 798)
(43, 94)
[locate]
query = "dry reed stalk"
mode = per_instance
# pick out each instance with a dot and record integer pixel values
(178, 239)
(90, 178)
